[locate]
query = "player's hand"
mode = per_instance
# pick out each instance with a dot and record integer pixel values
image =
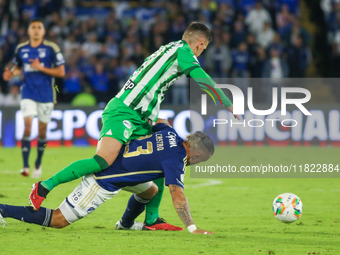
(231, 109)
(35, 63)
(7, 75)
(237, 116)
(201, 231)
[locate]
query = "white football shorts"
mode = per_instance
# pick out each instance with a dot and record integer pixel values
(88, 196)
(32, 108)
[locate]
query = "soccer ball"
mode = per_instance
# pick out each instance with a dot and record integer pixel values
(287, 207)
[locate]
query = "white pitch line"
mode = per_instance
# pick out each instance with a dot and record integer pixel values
(9, 172)
(208, 183)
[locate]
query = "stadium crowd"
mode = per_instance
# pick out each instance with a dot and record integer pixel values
(103, 46)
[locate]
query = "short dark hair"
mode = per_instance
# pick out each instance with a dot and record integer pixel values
(201, 141)
(200, 29)
(35, 20)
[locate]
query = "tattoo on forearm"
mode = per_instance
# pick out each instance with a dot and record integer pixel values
(183, 212)
(182, 208)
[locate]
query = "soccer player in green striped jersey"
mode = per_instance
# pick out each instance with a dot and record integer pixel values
(126, 116)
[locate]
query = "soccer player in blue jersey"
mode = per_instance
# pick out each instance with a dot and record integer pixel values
(161, 154)
(39, 61)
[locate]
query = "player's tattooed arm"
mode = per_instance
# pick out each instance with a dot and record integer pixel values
(181, 204)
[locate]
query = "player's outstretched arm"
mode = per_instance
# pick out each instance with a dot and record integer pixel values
(206, 83)
(183, 210)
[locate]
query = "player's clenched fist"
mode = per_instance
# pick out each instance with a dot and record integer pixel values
(201, 231)
(7, 75)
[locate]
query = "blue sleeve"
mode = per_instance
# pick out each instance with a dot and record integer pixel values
(17, 60)
(57, 58)
(159, 127)
(174, 171)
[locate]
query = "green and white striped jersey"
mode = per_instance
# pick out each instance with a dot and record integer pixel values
(145, 89)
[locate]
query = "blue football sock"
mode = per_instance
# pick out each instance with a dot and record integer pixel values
(27, 214)
(25, 148)
(135, 207)
(41, 148)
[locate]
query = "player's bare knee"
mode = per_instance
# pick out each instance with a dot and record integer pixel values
(27, 130)
(150, 192)
(27, 133)
(58, 220)
(42, 134)
(154, 189)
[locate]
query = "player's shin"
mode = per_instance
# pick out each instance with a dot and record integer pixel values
(26, 148)
(27, 214)
(135, 207)
(41, 149)
(152, 208)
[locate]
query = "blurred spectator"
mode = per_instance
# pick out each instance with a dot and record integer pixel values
(128, 45)
(298, 58)
(284, 19)
(226, 13)
(277, 44)
(138, 56)
(100, 84)
(253, 53)
(111, 47)
(13, 97)
(259, 62)
(156, 43)
(292, 5)
(240, 66)
(70, 46)
(225, 37)
(246, 5)
(297, 31)
(327, 6)
(239, 34)
(92, 46)
(275, 67)
(72, 82)
(218, 59)
(178, 27)
(113, 77)
(87, 67)
(29, 9)
(333, 18)
(180, 91)
(265, 37)
(257, 17)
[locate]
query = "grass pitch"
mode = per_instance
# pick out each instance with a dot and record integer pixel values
(237, 210)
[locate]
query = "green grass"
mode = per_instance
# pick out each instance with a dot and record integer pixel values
(237, 210)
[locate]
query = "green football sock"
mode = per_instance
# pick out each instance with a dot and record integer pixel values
(152, 208)
(76, 170)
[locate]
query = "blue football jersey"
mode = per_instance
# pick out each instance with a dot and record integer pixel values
(38, 86)
(150, 157)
